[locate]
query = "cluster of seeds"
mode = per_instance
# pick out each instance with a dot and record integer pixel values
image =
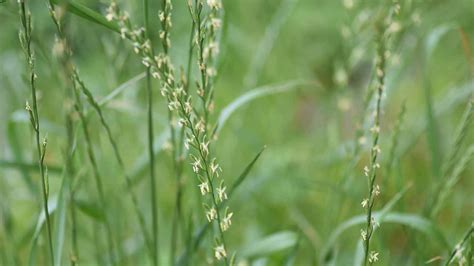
(370, 171)
(207, 24)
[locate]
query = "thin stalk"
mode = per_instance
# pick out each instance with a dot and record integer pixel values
(152, 170)
(70, 171)
(374, 151)
(95, 105)
(149, 91)
(179, 169)
(90, 152)
(25, 39)
(69, 153)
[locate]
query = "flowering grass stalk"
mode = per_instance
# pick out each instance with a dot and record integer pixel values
(73, 76)
(371, 171)
(25, 40)
(62, 49)
(179, 101)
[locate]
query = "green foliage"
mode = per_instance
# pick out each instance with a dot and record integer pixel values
(282, 107)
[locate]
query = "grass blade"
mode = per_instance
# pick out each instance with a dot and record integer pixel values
(245, 173)
(83, 11)
(60, 221)
(90, 209)
(52, 204)
(115, 92)
(268, 41)
(359, 219)
(269, 244)
(27, 166)
(452, 180)
(460, 245)
(255, 94)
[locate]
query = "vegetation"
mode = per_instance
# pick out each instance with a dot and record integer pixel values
(212, 132)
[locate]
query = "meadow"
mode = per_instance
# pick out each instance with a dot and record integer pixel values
(250, 132)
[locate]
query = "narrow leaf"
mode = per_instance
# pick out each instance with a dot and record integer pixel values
(83, 11)
(270, 244)
(255, 94)
(60, 221)
(245, 173)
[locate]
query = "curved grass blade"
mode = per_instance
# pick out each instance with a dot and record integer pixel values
(90, 209)
(434, 37)
(255, 94)
(413, 221)
(268, 41)
(359, 219)
(121, 88)
(269, 244)
(83, 11)
(52, 204)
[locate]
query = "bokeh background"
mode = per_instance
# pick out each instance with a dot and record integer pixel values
(307, 181)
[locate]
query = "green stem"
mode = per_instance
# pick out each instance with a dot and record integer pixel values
(34, 117)
(95, 169)
(149, 91)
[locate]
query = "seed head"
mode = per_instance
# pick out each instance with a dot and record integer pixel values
(204, 187)
(219, 252)
(211, 214)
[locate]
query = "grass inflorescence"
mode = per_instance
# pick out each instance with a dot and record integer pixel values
(211, 132)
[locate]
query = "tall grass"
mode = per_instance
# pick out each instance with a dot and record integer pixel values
(198, 188)
(26, 43)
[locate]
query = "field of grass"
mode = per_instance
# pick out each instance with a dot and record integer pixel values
(250, 132)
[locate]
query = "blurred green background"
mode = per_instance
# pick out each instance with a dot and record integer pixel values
(298, 192)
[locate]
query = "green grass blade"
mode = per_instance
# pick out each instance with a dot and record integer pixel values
(269, 244)
(291, 258)
(60, 221)
(433, 134)
(17, 152)
(268, 41)
(413, 221)
(115, 92)
(28, 166)
(444, 104)
(245, 173)
(452, 179)
(90, 209)
(418, 223)
(52, 204)
(434, 37)
(359, 219)
(83, 11)
(255, 94)
(459, 247)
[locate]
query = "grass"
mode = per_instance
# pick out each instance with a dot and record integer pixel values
(236, 133)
